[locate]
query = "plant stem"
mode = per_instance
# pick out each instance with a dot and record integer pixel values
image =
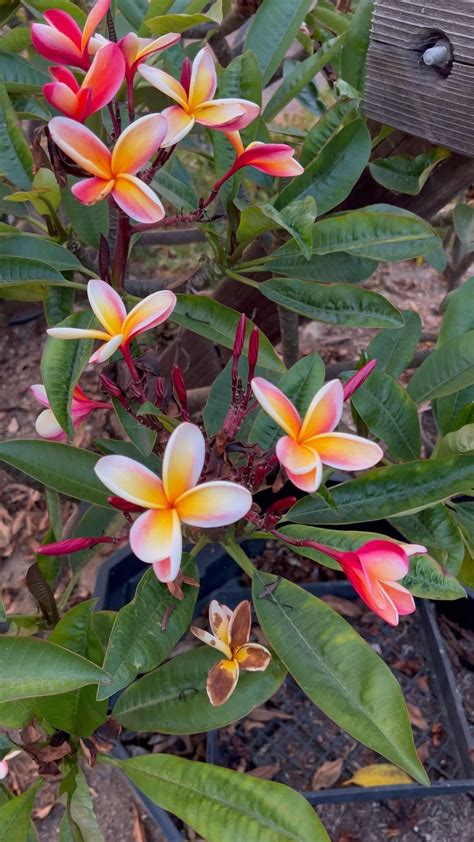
(240, 557)
(242, 279)
(289, 331)
(203, 540)
(130, 101)
(129, 360)
(122, 246)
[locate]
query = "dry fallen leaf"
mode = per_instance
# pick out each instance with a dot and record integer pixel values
(327, 774)
(379, 774)
(138, 831)
(416, 717)
(267, 714)
(266, 772)
(43, 812)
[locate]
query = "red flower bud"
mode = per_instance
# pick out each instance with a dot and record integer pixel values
(282, 505)
(239, 337)
(109, 386)
(124, 505)
(359, 377)
(73, 545)
(160, 388)
(254, 343)
(179, 386)
(186, 69)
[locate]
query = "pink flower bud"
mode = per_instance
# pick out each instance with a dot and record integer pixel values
(239, 337)
(186, 69)
(254, 343)
(359, 377)
(109, 386)
(73, 545)
(282, 505)
(124, 505)
(179, 386)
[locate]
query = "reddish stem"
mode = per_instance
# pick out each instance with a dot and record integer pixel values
(337, 555)
(125, 349)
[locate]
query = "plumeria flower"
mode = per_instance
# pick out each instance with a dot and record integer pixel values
(194, 95)
(136, 50)
(114, 172)
(177, 499)
(311, 442)
(119, 327)
(61, 38)
(4, 770)
(275, 159)
(98, 88)
(46, 424)
(230, 635)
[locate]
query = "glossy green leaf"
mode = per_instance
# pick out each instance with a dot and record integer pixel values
(83, 825)
(134, 11)
(297, 79)
(138, 643)
(17, 209)
(15, 154)
(225, 806)
(394, 349)
(126, 448)
(37, 248)
(218, 323)
(463, 219)
(458, 442)
(64, 5)
(272, 32)
(390, 414)
(337, 669)
(328, 125)
(32, 667)
(18, 74)
(297, 219)
(164, 24)
(95, 521)
(16, 714)
(15, 815)
(407, 174)
(386, 492)
(428, 580)
(330, 177)
(88, 221)
(324, 15)
(180, 195)
(217, 404)
(300, 385)
(169, 423)
(63, 467)
(173, 698)
(77, 712)
(31, 277)
(141, 437)
(337, 538)
(62, 364)
(58, 304)
(356, 45)
(436, 529)
(445, 371)
(328, 268)
(458, 317)
(15, 40)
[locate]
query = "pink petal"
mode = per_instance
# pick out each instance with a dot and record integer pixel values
(214, 504)
(89, 191)
(155, 45)
(294, 457)
(137, 199)
(133, 482)
(277, 406)
(39, 392)
(138, 143)
(98, 11)
(156, 536)
(149, 313)
(105, 76)
(107, 350)
(309, 482)
(383, 606)
(48, 427)
(179, 122)
(64, 75)
(345, 451)
(65, 24)
(82, 146)
(401, 597)
(107, 305)
(324, 411)
(203, 82)
(183, 460)
(165, 83)
(220, 113)
(61, 97)
(413, 549)
(384, 560)
(54, 46)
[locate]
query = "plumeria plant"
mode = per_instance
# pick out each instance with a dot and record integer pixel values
(129, 121)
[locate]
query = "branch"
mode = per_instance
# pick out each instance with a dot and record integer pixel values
(289, 331)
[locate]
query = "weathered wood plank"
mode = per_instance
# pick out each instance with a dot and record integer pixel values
(405, 22)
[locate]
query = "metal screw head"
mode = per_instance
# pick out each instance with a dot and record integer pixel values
(436, 56)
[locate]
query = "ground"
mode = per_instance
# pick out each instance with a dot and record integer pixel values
(23, 522)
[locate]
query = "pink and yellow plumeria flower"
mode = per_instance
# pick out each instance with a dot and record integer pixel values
(177, 499)
(61, 38)
(114, 172)
(4, 770)
(46, 424)
(136, 50)
(98, 88)
(194, 95)
(275, 159)
(119, 327)
(230, 635)
(311, 442)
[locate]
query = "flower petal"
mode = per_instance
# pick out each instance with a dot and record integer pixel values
(152, 311)
(286, 168)
(107, 305)
(413, 549)
(65, 24)
(107, 350)
(324, 411)
(61, 97)
(309, 482)
(221, 682)
(137, 199)
(203, 84)
(48, 427)
(76, 333)
(105, 76)
(240, 625)
(214, 504)
(294, 457)
(98, 11)
(277, 406)
(92, 190)
(253, 657)
(210, 640)
(39, 392)
(66, 76)
(165, 83)
(156, 535)
(179, 122)
(137, 144)
(156, 44)
(55, 46)
(82, 146)
(131, 481)
(183, 460)
(345, 451)
(219, 619)
(401, 597)
(220, 112)
(384, 560)
(275, 158)
(383, 605)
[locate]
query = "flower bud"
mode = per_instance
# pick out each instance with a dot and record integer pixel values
(239, 337)
(124, 505)
(109, 386)
(73, 545)
(254, 343)
(186, 69)
(179, 386)
(282, 505)
(358, 379)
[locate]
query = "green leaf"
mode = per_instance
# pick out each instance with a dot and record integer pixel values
(18, 74)
(169, 423)
(58, 304)
(126, 448)
(63, 467)
(458, 315)
(141, 437)
(463, 219)
(26, 279)
(297, 79)
(15, 815)
(62, 364)
(83, 826)
(457, 442)
(39, 248)
(31, 667)
(180, 195)
(328, 125)
(173, 698)
(223, 806)
(378, 232)
(435, 528)
(300, 385)
(16, 714)
(328, 18)
(88, 221)
(272, 32)
(327, 268)
(337, 669)
(386, 492)
(330, 177)
(65, 5)
(138, 643)
(164, 24)
(445, 371)
(6, 746)
(394, 349)
(427, 579)
(340, 540)
(390, 414)
(333, 303)
(218, 323)
(15, 40)
(17, 209)
(95, 521)
(16, 159)
(407, 174)
(356, 45)
(297, 219)
(77, 712)
(219, 398)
